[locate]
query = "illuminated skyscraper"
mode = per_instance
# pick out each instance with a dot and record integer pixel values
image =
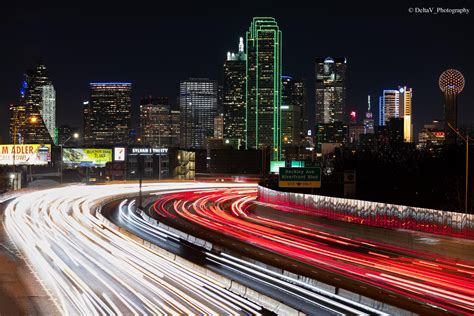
(263, 85)
(330, 89)
(107, 115)
(219, 126)
(198, 106)
(291, 110)
(397, 104)
(299, 100)
(451, 83)
(18, 120)
(406, 113)
(48, 109)
(159, 125)
(37, 99)
(234, 95)
(369, 119)
(388, 106)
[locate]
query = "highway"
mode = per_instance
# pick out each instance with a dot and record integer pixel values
(90, 269)
(303, 296)
(441, 283)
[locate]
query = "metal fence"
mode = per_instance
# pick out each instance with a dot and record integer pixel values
(374, 214)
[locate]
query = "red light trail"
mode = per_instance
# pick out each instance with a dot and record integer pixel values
(443, 282)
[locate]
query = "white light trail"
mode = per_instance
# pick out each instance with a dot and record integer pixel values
(90, 269)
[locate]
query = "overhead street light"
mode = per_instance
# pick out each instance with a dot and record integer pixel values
(75, 136)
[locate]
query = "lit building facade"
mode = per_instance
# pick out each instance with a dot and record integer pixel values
(48, 109)
(219, 126)
(336, 132)
(234, 95)
(369, 119)
(198, 106)
(37, 99)
(406, 112)
(397, 104)
(107, 115)
(159, 125)
(432, 137)
(18, 120)
(263, 85)
(388, 106)
(299, 100)
(291, 111)
(330, 90)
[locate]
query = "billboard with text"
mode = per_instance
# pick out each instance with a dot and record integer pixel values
(86, 157)
(25, 154)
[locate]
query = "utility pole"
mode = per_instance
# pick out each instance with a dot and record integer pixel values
(140, 180)
(465, 138)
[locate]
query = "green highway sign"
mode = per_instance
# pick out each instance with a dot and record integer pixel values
(300, 177)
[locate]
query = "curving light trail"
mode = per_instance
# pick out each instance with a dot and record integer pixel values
(91, 269)
(295, 291)
(446, 283)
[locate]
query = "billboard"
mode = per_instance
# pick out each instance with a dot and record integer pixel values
(86, 157)
(148, 151)
(25, 154)
(119, 153)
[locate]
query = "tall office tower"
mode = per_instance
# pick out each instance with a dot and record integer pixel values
(397, 104)
(107, 115)
(330, 89)
(388, 106)
(48, 109)
(86, 118)
(291, 107)
(451, 83)
(219, 126)
(175, 128)
(263, 85)
(198, 105)
(159, 125)
(299, 100)
(18, 120)
(234, 95)
(406, 113)
(369, 119)
(37, 99)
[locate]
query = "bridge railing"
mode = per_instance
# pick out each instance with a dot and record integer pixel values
(373, 213)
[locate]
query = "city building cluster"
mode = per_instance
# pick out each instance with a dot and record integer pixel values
(256, 116)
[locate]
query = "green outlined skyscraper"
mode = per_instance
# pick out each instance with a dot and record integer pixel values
(263, 85)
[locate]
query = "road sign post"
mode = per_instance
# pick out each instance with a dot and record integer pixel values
(300, 177)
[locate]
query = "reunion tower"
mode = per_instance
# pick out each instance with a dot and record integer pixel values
(451, 83)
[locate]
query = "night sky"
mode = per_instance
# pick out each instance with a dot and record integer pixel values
(154, 46)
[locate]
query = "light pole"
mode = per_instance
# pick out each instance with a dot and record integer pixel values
(465, 138)
(61, 164)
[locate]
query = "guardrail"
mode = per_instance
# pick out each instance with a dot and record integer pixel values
(375, 214)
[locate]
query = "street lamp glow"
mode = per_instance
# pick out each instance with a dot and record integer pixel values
(33, 119)
(75, 135)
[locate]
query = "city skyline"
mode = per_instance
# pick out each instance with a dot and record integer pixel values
(222, 158)
(370, 67)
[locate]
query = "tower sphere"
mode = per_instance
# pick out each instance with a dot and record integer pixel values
(451, 81)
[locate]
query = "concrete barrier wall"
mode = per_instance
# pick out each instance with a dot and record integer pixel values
(374, 214)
